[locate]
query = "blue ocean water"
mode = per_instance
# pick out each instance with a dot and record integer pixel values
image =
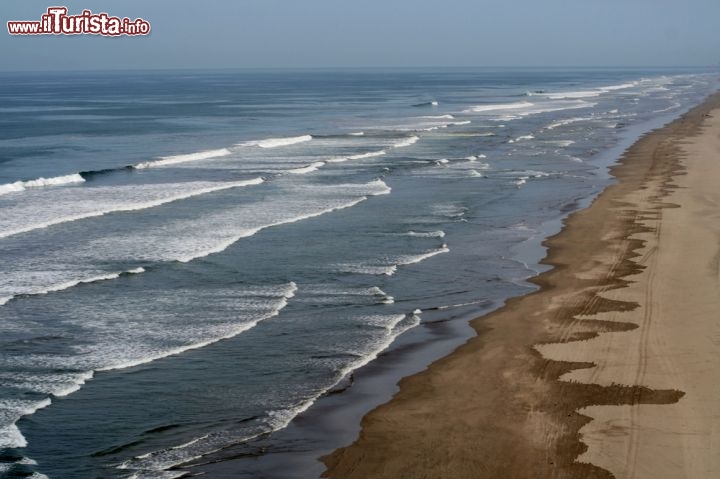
(190, 260)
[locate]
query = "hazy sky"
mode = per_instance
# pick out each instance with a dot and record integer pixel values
(331, 33)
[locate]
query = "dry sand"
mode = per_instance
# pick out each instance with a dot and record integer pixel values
(611, 369)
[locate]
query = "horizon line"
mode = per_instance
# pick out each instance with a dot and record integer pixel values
(357, 67)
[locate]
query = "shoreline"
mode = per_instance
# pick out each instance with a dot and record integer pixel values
(516, 418)
(335, 419)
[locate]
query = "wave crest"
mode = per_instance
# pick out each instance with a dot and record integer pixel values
(41, 182)
(277, 142)
(171, 160)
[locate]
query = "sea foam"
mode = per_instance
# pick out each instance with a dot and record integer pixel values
(522, 109)
(172, 160)
(277, 142)
(406, 142)
(75, 178)
(10, 411)
(73, 205)
(155, 463)
(359, 156)
(426, 234)
(522, 138)
(389, 266)
(306, 169)
(499, 106)
(182, 240)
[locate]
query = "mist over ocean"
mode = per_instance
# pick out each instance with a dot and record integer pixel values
(190, 260)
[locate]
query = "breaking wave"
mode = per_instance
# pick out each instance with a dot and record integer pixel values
(172, 160)
(41, 182)
(277, 142)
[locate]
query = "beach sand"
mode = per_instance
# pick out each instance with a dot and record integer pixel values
(610, 369)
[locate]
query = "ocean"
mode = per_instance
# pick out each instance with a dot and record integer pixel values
(190, 262)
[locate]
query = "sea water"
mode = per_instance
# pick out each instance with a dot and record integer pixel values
(190, 260)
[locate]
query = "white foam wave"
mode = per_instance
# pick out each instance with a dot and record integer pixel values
(180, 240)
(154, 464)
(526, 175)
(360, 268)
(277, 142)
(568, 121)
(55, 384)
(483, 166)
(394, 325)
(573, 94)
(426, 234)
(499, 106)
(377, 187)
(561, 143)
(522, 138)
(70, 284)
(406, 142)
(10, 436)
(385, 298)
(439, 117)
(10, 411)
(459, 305)
(358, 133)
(102, 351)
(587, 93)
(671, 107)
(41, 182)
(531, 173)
(173, 160)
(85, 203)
(307, 169)
(430, 128)
(65, 391)
(388, 269)
(360, 156)
(522, 109)
(449, 210)
(412, 259)
(229, 333)
(370, 154)
(621, 86)
(325, 294)
(222, 246)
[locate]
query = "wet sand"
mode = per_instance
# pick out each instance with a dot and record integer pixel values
(611, 369)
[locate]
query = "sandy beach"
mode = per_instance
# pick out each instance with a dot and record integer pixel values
(610, 369)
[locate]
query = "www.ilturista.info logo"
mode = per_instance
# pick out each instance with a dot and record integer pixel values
(57, 22)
